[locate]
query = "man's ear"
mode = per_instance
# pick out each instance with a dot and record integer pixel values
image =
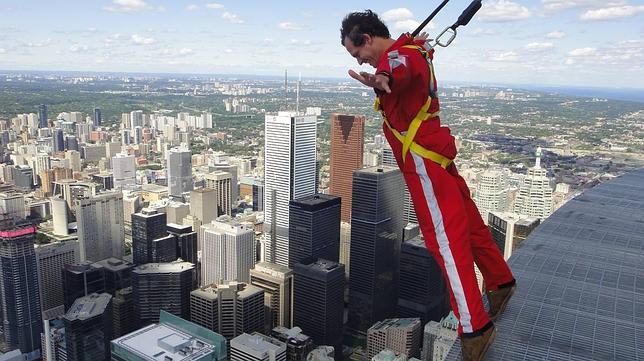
(368, 39)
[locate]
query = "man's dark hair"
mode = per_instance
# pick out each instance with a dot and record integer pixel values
(358, 23)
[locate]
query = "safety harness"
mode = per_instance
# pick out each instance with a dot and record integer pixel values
(407, 138)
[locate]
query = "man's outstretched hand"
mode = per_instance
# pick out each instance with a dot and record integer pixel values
(377, 81)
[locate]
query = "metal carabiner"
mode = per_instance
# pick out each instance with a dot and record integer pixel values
(449, 41)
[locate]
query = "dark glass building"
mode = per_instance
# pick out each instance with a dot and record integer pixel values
(117, 274)
(147, 226)
(88, 328)
(19, 291)
(186, 241)
(164, 249)
(298, 345)
(422, 290)
(97, 119)
(318, 301)
(376, 233)
(314, 228)
(71, 142)
(123, 321)
(162, 286)
(59, 140)
(42, 116)
(81, 280)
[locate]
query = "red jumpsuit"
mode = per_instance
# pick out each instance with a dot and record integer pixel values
(448, 218)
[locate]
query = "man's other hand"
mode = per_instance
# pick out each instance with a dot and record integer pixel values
(376, 81)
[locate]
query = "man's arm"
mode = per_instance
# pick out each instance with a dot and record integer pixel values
(376, 81)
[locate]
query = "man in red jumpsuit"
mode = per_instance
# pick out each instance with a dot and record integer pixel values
(448, 218)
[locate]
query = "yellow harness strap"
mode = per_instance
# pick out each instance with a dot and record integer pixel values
(407, 139)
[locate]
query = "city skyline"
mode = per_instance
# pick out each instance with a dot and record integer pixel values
(547, 42)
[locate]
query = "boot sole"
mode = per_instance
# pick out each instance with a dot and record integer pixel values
(489, 343)
(504, 304)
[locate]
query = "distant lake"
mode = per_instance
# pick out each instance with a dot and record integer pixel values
(635, 95)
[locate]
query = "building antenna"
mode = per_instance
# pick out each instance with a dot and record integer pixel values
(297, 92)
(286, 88)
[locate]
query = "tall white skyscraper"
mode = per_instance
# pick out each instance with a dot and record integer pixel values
(535, 194)
(491, 192)
(41, 163)
(124, 169)
(228, 252)
(289, 173)
(136, 119)
(100, 226)
(179, 168)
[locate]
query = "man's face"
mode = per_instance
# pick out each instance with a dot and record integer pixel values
(365, 53)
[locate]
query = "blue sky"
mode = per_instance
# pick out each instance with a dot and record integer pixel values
(545, 42)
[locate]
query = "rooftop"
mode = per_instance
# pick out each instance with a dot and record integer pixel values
(89, 306)
(580, 278)
(170, 267)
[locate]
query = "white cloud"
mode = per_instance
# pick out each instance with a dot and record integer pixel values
(186, 51)
(228, 51)
(559, 5)
(569, 61)
(555, 34)
(78, 48)
(582, 52)
(399, 14)
(214, 6)
(612, 13)
(142, 40)
(233, 18)
(503, 11)
(507, 56)
(481, 31)
(128, 6)
(192, 7)
(287, 25)
(2, 51)
(268, 41)
(409, 25)
(538, 47)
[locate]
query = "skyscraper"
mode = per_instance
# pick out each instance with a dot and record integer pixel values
(234, 185)
(203, 203)
(298, 345)
(290, 156)
(535, 194)
(229, 309)
(117, 273)
(100, 226)
(509, 230)
(123, 312)
(422, 291)
(124, 170)
(186, 241)
(277, 283)
(491, 192)
(347, 143)
(42, 116)
(147, 226)
(402, 335)
(166, 286)
(376, 232)
(314, 228)
(97, 119)
(256, 347)
(88, 328)
(318, 301)
(22, 321)
(164, 249)
(59, 140)
(179, 172)
(438, 338)
(50, 259)
(80, 280)
(221, 183)
(174, 338)
(228, 252)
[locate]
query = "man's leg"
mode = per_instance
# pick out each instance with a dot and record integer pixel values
(442, 217)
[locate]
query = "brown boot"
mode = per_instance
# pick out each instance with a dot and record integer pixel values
(474, 347)
(499, 299)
